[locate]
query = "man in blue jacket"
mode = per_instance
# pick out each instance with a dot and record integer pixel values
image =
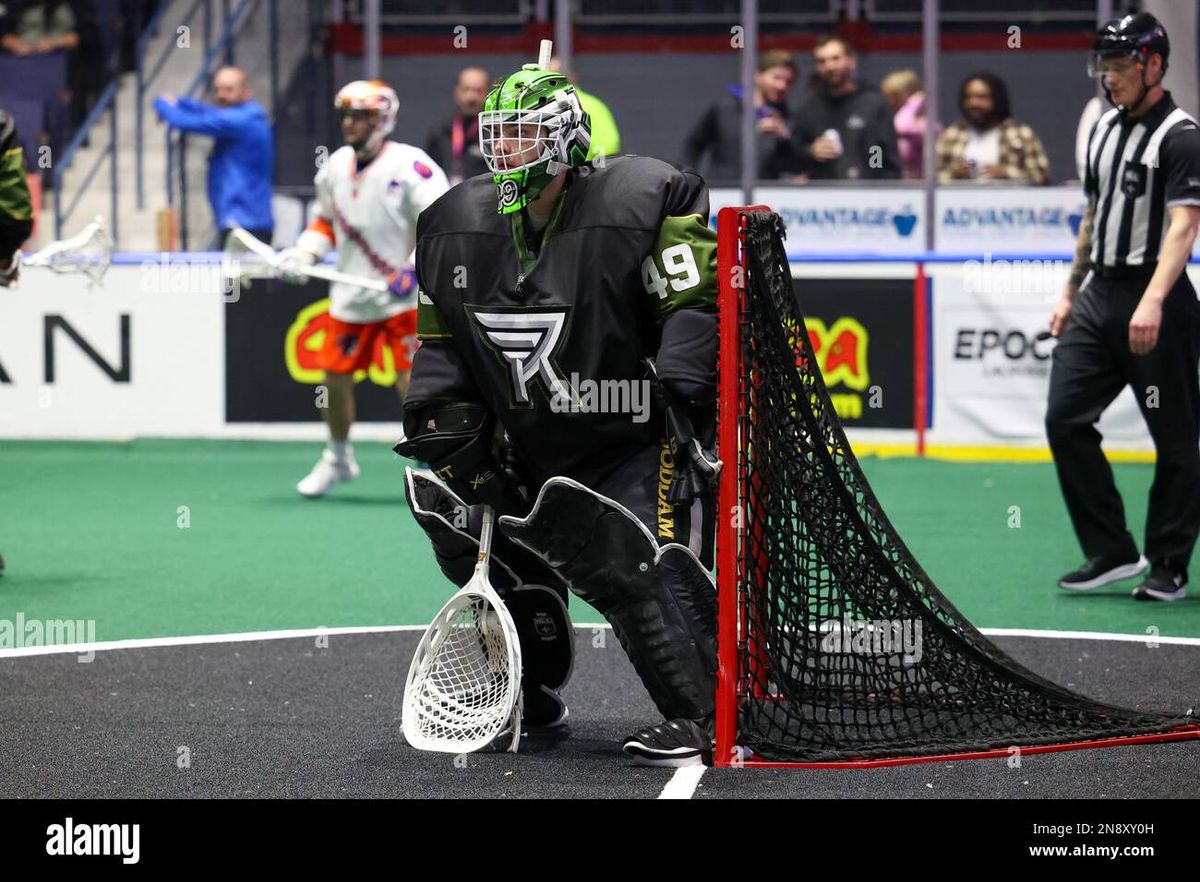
(242, 163)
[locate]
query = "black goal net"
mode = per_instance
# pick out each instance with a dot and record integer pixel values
(845, 648)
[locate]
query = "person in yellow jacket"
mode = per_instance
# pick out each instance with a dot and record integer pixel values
(606, 139)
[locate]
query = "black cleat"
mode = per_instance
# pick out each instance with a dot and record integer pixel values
(1162, 585)
(672, 743)
(1102, 570)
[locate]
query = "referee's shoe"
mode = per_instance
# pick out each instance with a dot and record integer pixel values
(1162, 584)
(1102, 570)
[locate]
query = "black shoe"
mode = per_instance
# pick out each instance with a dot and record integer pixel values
(1162, 585)
(672, 743)
(1102, 570)
(543, 708)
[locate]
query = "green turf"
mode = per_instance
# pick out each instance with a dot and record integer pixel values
(93, 531)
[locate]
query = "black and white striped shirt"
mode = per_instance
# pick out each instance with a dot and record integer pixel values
(1137, 170)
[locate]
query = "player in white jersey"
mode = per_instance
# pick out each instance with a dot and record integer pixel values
(369, 194)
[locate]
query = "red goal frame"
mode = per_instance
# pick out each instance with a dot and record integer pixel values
(733, 628)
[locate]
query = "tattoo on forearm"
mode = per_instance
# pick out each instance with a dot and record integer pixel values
(1083, 247)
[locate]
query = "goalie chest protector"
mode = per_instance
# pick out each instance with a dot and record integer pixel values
(579, 315)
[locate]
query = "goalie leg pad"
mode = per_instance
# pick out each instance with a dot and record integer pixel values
(452, 531)
(539, 612)
(547, 651)
(660, 601)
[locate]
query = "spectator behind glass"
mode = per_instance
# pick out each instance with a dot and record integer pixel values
(606, 140)
(718, 134)
(987, 144)
(241, 166)
(1092, 111)
(454, 145)
(36, 27)
(906, 96)
(843, 129)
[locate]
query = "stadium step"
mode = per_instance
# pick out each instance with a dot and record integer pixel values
(137, 228)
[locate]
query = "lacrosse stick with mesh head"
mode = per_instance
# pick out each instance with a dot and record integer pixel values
(247, 257)
(464, 685)
(90, 252)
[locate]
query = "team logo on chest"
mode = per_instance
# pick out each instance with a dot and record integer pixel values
(1133, 180)
(526, 341)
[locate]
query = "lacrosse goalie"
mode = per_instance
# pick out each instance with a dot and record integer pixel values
(543, 276)
(369, 194)
(16, 209)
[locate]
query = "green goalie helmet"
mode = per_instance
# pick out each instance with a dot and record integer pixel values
(532, 127)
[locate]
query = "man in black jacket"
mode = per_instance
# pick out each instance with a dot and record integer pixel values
(718, 134)
(454, 145)
(844, 130)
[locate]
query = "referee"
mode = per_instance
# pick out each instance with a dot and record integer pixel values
(1129, 316)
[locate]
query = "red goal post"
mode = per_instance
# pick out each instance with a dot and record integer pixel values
(730, 275)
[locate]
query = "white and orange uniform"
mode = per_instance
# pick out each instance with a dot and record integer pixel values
(371, 217)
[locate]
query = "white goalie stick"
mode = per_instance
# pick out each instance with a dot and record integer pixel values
(464, 685)
(88, 252)
(247, 257)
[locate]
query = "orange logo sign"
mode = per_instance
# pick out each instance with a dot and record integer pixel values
(306, 336)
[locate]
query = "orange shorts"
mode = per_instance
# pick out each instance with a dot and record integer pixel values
(352, 347)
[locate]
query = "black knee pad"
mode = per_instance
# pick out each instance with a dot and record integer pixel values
(659, 600)
(547, 638)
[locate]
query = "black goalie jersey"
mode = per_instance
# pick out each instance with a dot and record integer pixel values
(549, 333)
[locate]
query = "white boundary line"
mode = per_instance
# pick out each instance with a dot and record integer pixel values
(198, 640)
(1090, 635)
(250, 636)
(683, 783)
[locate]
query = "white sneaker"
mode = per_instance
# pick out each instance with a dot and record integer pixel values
(327, 474)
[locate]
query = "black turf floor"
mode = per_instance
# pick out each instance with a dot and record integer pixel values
(286, 718)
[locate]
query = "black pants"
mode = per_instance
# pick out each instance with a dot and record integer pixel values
(639, 484)
(1090, 366)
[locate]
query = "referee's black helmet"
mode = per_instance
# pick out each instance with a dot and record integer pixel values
(1131, 36)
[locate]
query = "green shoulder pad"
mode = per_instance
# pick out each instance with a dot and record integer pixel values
(14, 193)
(429, 321)
(680, 272)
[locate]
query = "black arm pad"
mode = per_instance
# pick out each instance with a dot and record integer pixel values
(455, 438)
(687, 355)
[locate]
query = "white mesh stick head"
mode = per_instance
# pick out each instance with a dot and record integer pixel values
(90, 252)
(464, 685)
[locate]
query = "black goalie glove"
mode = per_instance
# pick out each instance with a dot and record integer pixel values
(456, 439)
(697, 466)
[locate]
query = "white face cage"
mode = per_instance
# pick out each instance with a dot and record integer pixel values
(512, 140)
